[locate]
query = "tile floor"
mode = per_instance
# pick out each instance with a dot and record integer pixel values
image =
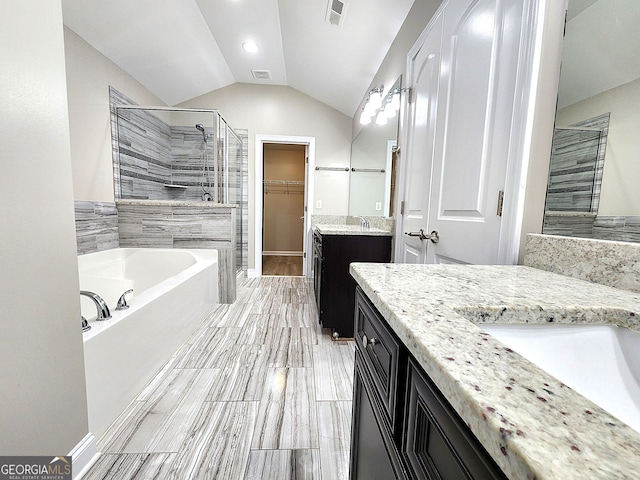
(258, 392)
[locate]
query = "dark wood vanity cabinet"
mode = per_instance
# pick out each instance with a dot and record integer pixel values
(402, 426)
(334, 286)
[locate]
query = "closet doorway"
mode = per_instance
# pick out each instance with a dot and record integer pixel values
(274, 231)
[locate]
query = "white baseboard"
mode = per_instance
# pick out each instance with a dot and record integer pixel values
(84, 455)
(252, 273)
(284, 253)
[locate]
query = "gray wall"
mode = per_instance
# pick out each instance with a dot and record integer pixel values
(42, 385)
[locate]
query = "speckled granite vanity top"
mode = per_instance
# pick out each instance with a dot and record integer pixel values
(350, 230)
(534, 426)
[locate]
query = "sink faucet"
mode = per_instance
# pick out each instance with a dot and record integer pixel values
(364, 223)
(101, 305)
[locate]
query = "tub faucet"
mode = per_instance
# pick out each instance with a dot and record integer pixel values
(122, 301)
(364, 223)
(101, 305)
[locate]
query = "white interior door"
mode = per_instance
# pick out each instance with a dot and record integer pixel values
(481, 40)
(460, 131)
(424, 71)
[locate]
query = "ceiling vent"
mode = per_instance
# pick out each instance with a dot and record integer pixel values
(336, 10)
(261, 74)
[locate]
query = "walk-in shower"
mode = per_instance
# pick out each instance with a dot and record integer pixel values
(164, 153)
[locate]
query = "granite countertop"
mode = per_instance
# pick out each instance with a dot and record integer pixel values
(350, 230)
(534, 426)
(176, 203)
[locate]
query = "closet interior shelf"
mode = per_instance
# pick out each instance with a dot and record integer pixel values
(283, 182)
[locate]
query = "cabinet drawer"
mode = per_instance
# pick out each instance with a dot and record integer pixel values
(438, 444)
(381, 352)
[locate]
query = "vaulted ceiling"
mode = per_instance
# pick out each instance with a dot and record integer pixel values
(180, 49)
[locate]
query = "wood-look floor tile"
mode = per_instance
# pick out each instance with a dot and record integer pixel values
(335, 439)
(297, 315)
(243, 379)
(140, 466)
(165, 418)
(287, 418)
(301, 464)
(217, 446)
(210, 349)
(333, 371)
(291, 347)
(234, 316)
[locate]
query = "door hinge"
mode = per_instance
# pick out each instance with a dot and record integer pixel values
(305, 208)
(500, 203)
(402, 207)
(306, 160)
(304, 254)
(410, 98)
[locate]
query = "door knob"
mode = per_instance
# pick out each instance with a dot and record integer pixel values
(434, 236)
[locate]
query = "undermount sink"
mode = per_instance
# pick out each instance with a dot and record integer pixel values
(601, 362)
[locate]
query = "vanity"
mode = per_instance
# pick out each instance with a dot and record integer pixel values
(433, 392)
(334, 248)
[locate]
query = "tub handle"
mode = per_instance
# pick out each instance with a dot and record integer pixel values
(85, 325)
(122, 301)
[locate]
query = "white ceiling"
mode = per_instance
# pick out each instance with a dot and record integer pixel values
(601, 48)
(180, 49)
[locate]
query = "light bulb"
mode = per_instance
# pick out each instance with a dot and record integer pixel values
(365, 118)
(376, 100)
(381, 119)
(395, 101)
(370, 109)
(389, 110)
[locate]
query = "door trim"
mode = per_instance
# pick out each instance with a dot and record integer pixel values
(260, 140)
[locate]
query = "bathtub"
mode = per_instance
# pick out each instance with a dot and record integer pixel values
(171, 290)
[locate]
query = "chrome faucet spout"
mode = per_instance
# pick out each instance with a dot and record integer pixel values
(101, 305)
(364, 223)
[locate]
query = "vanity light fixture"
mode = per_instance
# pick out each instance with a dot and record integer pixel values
(373, 103)
(381, 119)
(250, 46)
(365, 118)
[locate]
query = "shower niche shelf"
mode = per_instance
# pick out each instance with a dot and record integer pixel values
(180, 187)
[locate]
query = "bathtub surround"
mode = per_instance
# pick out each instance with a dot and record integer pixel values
(589, 225)
(259, 391)
(616, 264)
(96, 226)
(171, 224)
(171, 291)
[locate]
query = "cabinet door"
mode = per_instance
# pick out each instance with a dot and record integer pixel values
(370, 459)
(438, 444)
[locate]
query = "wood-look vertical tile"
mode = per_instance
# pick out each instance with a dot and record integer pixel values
(303, 464)
(287, 418)
(130, 466)
(333, 371)
(217, 445)
(334, 426)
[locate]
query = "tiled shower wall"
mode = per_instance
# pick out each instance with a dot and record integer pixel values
(577, 162)
(150, 154)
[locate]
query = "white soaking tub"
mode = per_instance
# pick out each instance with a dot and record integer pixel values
(171, 289)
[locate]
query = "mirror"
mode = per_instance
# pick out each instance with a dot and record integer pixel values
(373, 165)
(595, 169)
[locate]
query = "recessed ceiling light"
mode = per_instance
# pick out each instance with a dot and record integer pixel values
(250, 46)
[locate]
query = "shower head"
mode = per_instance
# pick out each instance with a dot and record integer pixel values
(200, 128)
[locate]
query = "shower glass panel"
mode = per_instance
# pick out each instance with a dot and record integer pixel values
(166, 153)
